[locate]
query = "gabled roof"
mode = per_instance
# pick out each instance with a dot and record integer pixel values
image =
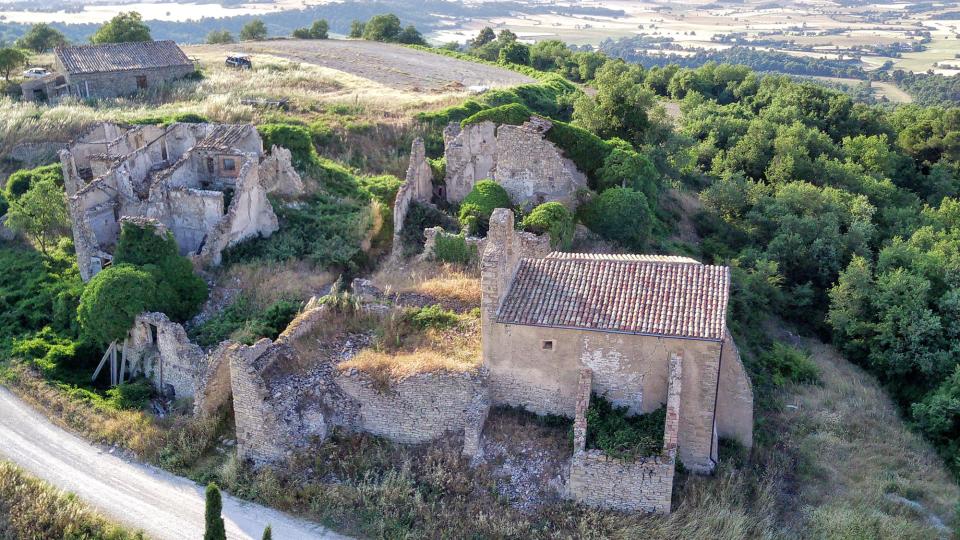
(120, 56)
(666, 296)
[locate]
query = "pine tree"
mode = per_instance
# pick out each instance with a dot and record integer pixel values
(215, 529)
(267, 533)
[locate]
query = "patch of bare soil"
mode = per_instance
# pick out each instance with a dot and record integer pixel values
(528, 456)
(391, 65)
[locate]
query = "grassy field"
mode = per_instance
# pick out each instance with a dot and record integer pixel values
(32, 509)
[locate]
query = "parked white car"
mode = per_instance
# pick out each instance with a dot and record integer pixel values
(36, 73)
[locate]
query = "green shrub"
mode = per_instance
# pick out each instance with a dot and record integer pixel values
(20, 181)
(420, 217)
(514, 53)
(477, 207)
(585, 149)
(626, 168)
(438, 170)
(323, 230)
(297, 139)
(271, 322)
(431, 317)
(621, 435)
(619, 214)
(4, 205)
(785, 364)
(383, 188)
(112, 300)
(321, 134)
(552, 218)
(453, 248)
(512, 113)
(46, 350)
(214, 528)
(186, 118)
(131, 395)
(180, 292)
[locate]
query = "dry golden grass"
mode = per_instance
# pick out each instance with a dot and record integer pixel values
(438, 280)
(264, 283)
(31, 508)
(402, 350)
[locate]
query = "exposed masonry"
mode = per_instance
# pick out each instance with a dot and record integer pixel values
(519, 158)
(207, 183)
(430, 242)
(644, 484)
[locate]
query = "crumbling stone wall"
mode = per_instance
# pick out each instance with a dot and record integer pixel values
(261, 434)
(415, 409)
(417, 186)
(430, 243)
(166, 354)
(644, 484)
(519, 158)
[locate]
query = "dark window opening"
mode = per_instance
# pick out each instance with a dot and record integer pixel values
(141, 81)
(211, 165)
(229, 164)
(548, 345)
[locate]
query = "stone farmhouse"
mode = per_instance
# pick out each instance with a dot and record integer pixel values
(109, 70)
(635, 328)
(206, 183)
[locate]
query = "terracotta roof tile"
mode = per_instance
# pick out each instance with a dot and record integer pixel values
(121, 56)
(617, 294)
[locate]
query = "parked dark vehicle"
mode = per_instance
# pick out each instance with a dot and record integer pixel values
(239, 61)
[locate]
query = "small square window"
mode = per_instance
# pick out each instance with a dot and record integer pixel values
(229, 164)
(548, 345)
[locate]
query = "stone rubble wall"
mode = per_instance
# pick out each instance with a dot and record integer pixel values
(417, 186)
(111, 84)
(519, 158)
(418, 408)
(170, 361)
(430, 243)
(645, 484)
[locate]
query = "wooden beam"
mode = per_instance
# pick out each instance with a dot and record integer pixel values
(102, 362)
(113, 365)
(123, 360)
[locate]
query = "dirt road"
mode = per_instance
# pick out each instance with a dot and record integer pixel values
(391, 65)
(160, 504)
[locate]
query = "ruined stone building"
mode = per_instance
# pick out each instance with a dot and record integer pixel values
(532, 169)
(207, 183)
(520, 158)
(109, 70)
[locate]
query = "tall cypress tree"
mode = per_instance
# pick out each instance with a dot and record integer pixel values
(215, 529)
(267, 533)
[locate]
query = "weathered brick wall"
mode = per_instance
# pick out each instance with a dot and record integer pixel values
(261, 434)
(735, 401)
(415, 409)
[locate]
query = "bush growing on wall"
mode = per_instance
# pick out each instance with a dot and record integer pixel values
(619, 214)
(621, 435)
(552, 218)
(296, 139)
(511, 113)
(180, 292)
(112, 300)
(477, 207)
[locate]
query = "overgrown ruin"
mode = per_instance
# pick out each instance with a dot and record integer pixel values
(207, 183)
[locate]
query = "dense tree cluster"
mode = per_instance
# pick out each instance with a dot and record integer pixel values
(387, 28)
(125, 27)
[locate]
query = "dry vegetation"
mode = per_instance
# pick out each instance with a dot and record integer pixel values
(443, 282)
(402, 348)
(264, 283)
(32, 509)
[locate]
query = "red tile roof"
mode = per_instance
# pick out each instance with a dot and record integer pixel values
(121, 56)
(663, 298)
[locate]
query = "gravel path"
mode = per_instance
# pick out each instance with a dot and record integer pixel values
(160, 504)
(391, 65)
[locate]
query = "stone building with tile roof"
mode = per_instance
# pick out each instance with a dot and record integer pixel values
(110, 70)
(551, 319)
